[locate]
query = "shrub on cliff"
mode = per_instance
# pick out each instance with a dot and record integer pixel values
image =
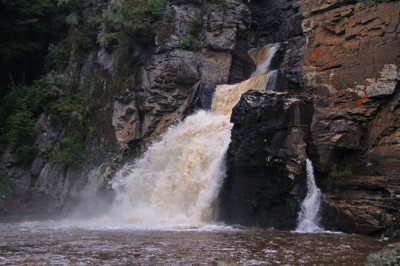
(5, 185)
(196, 24)
(190, 43)
(221, 3)
(54, 95)
(58, 55)
(71, 150)
(130, 18)
(21, 132)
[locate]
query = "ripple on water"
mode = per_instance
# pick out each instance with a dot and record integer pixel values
(55, 243)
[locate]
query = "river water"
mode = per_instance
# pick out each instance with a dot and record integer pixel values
(173, 190)
(58, 243)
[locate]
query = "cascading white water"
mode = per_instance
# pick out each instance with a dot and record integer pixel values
(263, 57)
(177, 181)
(308, 216)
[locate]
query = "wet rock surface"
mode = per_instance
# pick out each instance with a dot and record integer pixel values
(387, 256)
(265, 182)
(348, 68)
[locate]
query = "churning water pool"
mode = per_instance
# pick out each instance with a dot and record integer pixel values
(54, 243)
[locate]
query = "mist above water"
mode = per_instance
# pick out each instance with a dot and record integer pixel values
(177, 181)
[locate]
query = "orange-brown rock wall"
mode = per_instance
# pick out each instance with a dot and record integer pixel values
(351, 69)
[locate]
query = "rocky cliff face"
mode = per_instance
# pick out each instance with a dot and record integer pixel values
(336, 101)
(350, 72)
(140, 90)
(351, 69)
(266, 177)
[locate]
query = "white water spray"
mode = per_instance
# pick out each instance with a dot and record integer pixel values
(308, 216)
(177, 181)
(263, 57)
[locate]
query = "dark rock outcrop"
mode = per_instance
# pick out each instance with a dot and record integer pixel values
(265, 183)
(348, 66)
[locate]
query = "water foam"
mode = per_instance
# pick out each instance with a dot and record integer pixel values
(308, 216)
(175, 184)
(263, 57)
(177, 181)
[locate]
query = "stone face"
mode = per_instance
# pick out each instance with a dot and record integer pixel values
(139, 92)
(348, 43)
(386, 84)
(266, 160)
(20, 181)
(351, 69)
(348, 67)
(386, 256)
(274, 21)
(171, 76)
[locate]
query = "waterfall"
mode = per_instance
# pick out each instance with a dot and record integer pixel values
(263, 57)
(177, 181)
(308, 216)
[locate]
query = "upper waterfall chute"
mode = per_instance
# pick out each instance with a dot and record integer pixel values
(263, 57)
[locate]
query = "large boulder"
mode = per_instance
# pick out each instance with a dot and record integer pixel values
(266, 177)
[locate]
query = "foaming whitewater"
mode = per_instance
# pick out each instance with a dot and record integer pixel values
(177, 181)
(263, 57)
(308, 217)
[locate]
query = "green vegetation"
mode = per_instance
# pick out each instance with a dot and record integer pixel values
(35, 37)
(130, 18)
(337, 174)
(221, 3)
(54, 95)
(21, 134)
(392, 258)
(5, 186)
(383, 238)
(196, 24)
(32, 29)
(58, 55)
(190, 43)
(71, 151)
(363, 123)
(26, 29)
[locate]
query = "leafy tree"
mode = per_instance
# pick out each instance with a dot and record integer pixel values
(71, 150)
(21, 134)
(27, 27)
(130, 18)
(190, 43)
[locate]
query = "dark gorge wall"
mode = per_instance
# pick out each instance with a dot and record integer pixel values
(265, 182)
(349, 71)
(126, 79)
